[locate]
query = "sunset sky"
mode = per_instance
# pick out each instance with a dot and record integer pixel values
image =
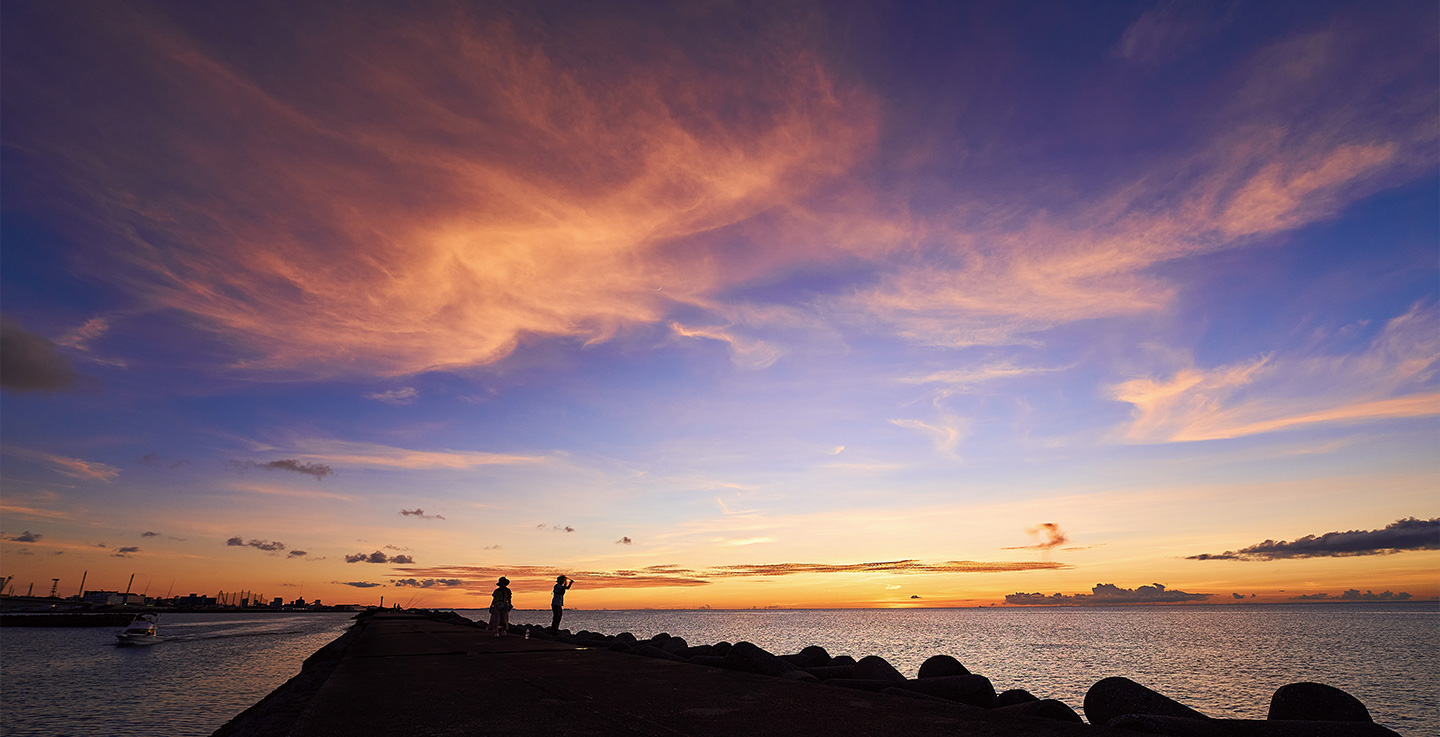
(728, 305)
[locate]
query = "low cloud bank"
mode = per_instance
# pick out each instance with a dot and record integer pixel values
(1396, 537)
(1108, 593)
(1354, 595)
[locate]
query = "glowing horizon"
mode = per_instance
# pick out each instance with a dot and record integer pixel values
(823, 305)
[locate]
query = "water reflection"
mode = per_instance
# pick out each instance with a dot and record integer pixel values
(76, 681)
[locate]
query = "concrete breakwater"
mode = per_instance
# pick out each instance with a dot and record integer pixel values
(439, 673)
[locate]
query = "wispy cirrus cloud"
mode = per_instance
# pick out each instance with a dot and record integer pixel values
(497, 212)
(13, 509)
(417, 512)
(968, 378)
(397, 397)
(72, 467)
(373, 455)
(1286, 149)
(746, 353)
(1396, 537)
(1388, 379)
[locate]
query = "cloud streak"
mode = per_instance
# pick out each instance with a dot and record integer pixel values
(1389, 379)
(478, 577)
(72, 467)
(318, 470)
(1397, 537)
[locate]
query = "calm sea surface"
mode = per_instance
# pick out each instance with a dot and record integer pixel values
(1225, 661)
(75, 681)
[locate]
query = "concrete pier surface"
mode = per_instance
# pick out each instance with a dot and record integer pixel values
(402, 673)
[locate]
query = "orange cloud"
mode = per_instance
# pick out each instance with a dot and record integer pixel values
(474, 184)
(1386, 380)
(373, 455)
(480, 578)
(1262, 171)
(72, 467)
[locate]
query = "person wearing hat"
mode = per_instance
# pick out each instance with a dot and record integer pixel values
(500, 607)
(557, 604)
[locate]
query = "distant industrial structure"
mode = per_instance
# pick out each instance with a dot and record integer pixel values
(102, 600)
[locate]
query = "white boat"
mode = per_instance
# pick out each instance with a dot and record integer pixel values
(143, 630)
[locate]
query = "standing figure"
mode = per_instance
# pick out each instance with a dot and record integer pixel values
(500, 607)
(557, 604)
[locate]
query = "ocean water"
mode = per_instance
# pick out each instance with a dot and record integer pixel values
(1225, 661)
(75, 681)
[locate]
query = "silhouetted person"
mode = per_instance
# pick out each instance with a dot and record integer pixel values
(557, 604)
(500, 607)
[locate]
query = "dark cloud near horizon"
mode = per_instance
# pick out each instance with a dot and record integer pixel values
(625, 541)
(26, 537)
(148, 533)
(418, 512)
(556, 528)
(318, 470)
(1108, 593)
(1354, 595)
(428, 583)
(359, 584)
(379, 557)
(32, 363)
(297, 553)
(266, 545)
(1399, 536)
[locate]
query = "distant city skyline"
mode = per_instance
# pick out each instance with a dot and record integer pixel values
(822, 305)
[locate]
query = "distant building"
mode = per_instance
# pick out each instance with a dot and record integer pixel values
(112, 598)
(196, 601)
(277, 602)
